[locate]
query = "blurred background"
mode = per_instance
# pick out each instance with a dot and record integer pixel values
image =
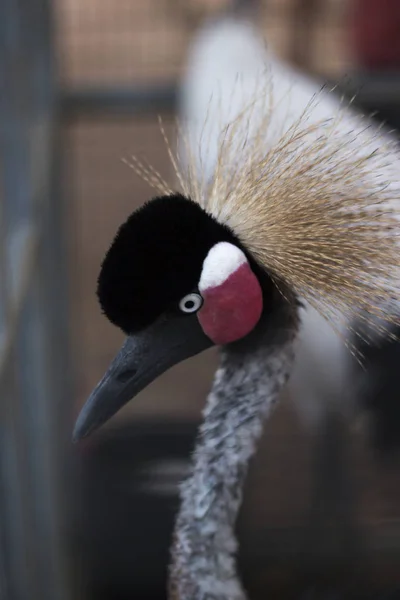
(81, 86)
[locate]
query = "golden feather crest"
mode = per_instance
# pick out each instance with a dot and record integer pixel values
(318, 208)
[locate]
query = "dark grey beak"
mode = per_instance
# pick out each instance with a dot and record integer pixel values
(142, 358)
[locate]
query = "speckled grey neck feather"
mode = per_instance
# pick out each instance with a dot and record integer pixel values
(246, 385)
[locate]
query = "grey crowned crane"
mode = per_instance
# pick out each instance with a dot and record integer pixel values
(228, 261)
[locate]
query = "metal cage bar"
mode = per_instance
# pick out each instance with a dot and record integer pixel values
(371, 91)
(35, 378)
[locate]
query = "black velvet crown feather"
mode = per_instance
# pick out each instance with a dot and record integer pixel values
(156, 259)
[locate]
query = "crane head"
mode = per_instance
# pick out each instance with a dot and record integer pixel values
(176, 282)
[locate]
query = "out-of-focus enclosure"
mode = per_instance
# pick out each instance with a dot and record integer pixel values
(82, 84)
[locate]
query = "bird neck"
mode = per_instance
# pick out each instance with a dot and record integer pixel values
(247, 384)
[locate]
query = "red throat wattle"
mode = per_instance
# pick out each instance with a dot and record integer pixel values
(232, 309)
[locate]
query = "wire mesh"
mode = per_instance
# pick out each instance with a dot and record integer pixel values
(142, 42)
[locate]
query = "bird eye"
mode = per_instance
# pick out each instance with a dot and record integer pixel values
(191, 303)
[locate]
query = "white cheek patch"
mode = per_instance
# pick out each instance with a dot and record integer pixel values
(222, 260)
